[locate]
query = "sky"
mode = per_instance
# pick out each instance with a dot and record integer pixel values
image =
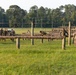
(27, 4)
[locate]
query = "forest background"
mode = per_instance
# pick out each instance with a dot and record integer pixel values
(42, 17)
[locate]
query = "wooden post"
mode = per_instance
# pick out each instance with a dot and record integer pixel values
(18, 43)
(41, 40)
(73, 40)
(69, 34)
(63, 43)
(32, 33)
(48, 40)
(63, 39)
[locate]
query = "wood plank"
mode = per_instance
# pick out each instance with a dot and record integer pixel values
(32, 37)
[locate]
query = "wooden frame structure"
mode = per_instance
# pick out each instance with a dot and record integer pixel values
(32, 37)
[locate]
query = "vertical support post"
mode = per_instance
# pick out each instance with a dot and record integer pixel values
(69, 34)
(63, 43)
(41, 28)
(18, 43)
(42, 40)
(48, 40)
(73, 40)
(32, 33)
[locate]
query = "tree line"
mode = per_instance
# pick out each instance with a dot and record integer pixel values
(42, 17)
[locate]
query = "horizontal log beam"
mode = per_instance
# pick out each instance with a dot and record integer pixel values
(31, 37)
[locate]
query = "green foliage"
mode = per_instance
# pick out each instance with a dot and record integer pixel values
(3, 18)
(44, 17)
(15, 15)
(40, 59)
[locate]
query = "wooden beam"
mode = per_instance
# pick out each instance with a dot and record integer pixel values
(41, 40)
(69, 34)
(32, 33)
(63, 43)
(31, 37)
(18, 43)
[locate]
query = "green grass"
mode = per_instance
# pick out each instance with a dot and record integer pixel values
(40, 59)
(36, 30)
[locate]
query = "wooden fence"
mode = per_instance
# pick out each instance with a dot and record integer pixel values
(32, 37)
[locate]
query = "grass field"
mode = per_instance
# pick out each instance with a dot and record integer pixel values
(36, 30)
(40, 59)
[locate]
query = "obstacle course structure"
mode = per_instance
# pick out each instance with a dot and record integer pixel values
(55, 33)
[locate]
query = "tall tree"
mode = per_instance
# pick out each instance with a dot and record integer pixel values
(56, 17)
(3, 18)
(33, 12)
(69, 9)
(15, 15)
